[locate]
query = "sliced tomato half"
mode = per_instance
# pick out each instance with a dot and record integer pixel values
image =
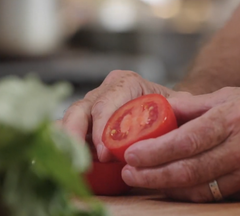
(148, 116)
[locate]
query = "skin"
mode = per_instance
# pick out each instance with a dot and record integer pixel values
(205, 146)
(99, 104)
(217, 65)
(185, 160)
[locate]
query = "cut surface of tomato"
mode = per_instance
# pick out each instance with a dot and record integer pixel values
(148, 116)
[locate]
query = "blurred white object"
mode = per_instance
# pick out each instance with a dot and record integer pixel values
(29, 27)
(221, 12)
(157, 2)
(37, 27)
(166, 9)
(118, 15)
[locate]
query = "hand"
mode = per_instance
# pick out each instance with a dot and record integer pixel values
(91, 114)
(204, 149)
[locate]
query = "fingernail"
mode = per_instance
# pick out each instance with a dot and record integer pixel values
(99, 150)
(132, 160)
(128, 177)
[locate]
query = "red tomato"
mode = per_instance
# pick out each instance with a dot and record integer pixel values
(105, 178)
(148, 116)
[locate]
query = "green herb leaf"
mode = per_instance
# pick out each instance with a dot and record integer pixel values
(52, 159)
(26, 103)
(41, 167)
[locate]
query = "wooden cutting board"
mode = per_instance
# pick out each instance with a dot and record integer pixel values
(152, 203)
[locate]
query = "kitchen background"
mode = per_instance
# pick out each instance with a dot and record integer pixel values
(81, 41)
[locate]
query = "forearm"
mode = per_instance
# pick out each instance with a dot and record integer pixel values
(218, 63)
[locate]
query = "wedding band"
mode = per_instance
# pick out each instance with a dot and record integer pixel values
(215, 191)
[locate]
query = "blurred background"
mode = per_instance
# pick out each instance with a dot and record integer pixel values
(81, 41)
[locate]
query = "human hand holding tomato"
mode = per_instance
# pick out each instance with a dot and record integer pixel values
(91, 114)
(146, 117)
(204, 148)
(183, 161)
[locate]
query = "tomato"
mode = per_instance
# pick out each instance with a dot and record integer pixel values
(105, 178)
(148, 116)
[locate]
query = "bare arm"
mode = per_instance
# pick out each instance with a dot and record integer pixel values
(218, 63)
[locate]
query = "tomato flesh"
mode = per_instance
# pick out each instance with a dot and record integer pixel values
(146, 117)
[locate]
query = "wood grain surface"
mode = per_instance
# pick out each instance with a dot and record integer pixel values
(152, 203)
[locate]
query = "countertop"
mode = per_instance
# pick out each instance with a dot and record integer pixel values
(151, 203)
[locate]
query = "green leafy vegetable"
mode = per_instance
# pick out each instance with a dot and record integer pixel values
(40, 165)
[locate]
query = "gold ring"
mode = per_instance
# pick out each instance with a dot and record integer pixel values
(215, 191)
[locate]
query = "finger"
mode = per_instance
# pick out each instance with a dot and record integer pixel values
(188, 172)
(228, 185)
(190, 139)
(113, 97)
(77, 119)
(187, 107)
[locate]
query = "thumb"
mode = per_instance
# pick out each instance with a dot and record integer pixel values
(103, 109)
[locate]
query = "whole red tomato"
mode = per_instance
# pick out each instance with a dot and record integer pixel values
(148, 116)
(105, 178)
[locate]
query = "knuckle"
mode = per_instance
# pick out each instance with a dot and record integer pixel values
(92, 95)
(204, 136)
(233, 115)
(191, 144)
(188, 175)
(76, 106)
(69, 112)
(98, 107)
(227, 89)
(216, 129)
(89, 94)
(86, 102)
(113, 75)
(117, 73)
(228, 92)
(128, 81)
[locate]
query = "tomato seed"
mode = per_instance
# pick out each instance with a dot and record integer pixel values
(113, 132)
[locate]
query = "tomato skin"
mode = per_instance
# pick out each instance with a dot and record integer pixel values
(162, 120)
(105, 178)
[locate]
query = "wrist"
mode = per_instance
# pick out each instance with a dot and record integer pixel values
(201, 82)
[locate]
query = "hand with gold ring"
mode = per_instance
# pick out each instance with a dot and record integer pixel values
(199, 161)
